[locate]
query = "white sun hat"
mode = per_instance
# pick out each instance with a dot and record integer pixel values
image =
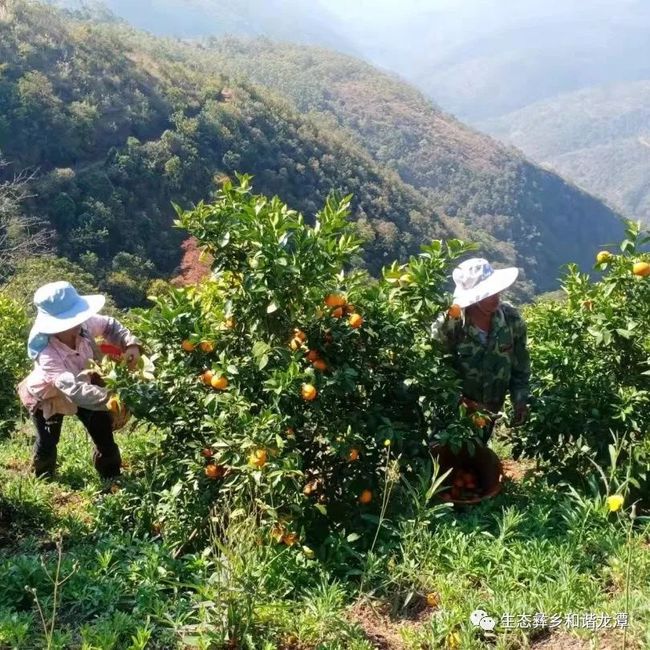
(476, 280)
(60, 307)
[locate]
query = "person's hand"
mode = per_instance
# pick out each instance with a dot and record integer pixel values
(132, 356)
(521, 414)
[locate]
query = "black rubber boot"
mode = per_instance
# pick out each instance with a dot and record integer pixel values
(44, 466)
(108, 463)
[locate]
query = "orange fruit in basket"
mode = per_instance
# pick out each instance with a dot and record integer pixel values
(365, 497)
(353, 455)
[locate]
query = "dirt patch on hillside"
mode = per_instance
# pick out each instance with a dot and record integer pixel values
(604, 640)
(383, 630)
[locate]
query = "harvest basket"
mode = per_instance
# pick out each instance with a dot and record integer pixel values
(483, 463)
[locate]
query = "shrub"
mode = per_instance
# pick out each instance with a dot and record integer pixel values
(591, 363)
(13, 359)
(288, 381)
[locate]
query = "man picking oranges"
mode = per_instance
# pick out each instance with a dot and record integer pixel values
(487, 341)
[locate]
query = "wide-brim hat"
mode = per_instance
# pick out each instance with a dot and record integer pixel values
(60, 308)
(476, 280)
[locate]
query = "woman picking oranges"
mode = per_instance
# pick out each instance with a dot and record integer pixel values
(61, 344)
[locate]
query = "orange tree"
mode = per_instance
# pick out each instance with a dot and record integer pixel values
(289, 378)
(591, 363)
(14, 363)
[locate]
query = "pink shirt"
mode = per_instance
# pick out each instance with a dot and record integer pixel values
(58, 383)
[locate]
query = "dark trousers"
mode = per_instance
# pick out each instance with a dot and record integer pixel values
(106, 455)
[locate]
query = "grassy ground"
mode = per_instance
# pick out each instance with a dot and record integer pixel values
(533, 549)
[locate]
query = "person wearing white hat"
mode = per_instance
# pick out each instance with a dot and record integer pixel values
(61, 344)
(487, 341)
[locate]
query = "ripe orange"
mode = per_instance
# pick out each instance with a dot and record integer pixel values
(214, 471)
(604, 256)
(365, 497)
(455, 311)
(337, 312)
(289, 539)
(312, 356)
(206, 346)
(335, 300)
(207, 453)
(641, 269)
(219, 383)
(321, 365)
(258, 458)
(353, 455)
(355, 321)
(479, 421)
(188, 346)
(308, 392)
(206, 377)
(300, 335)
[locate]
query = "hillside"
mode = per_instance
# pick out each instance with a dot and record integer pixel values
(600, 137)
(118, 129)
(465, 174)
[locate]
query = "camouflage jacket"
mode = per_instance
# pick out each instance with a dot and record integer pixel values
(488, 370)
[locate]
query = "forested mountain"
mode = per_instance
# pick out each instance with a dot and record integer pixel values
(121, 124)
(600, 137)
(118, 129)
(465, 174)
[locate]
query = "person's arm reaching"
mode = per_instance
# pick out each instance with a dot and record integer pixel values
(113, 332)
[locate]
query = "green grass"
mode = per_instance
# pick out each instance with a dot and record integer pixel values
(534, 548)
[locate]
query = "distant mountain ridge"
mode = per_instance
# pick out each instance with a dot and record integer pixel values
(600, 137)
(544, 221)
(292, 20)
